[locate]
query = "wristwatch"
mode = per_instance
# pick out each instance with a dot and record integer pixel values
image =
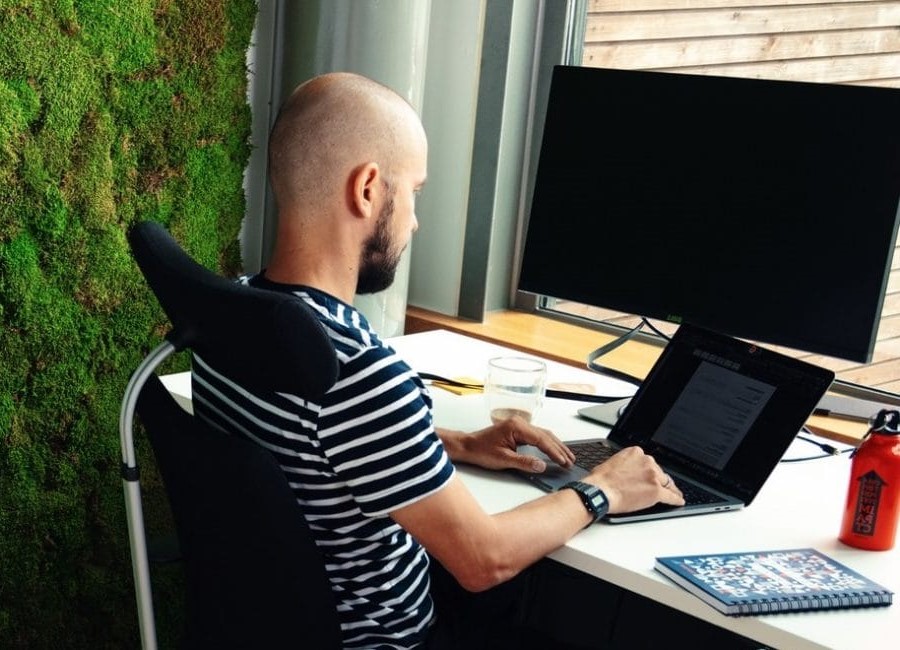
(592, 497)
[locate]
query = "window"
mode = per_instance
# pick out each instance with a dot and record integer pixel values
(840, 42)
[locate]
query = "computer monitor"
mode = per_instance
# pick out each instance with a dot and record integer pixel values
(765, 210)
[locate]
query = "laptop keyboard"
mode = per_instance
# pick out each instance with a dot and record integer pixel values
(590, 454)
(696, 495)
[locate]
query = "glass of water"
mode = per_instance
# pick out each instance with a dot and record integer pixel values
(514, 386)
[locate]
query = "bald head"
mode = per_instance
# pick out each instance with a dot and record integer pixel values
(326, 128)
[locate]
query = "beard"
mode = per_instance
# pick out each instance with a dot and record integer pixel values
(379, 262)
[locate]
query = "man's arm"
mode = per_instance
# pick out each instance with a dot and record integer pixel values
(482, 550)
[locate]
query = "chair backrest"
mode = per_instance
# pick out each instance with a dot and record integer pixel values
(264, 339)
(255, 578)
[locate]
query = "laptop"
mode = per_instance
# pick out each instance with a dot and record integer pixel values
(717, 413)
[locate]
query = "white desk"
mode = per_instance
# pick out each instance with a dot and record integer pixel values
(799, 506)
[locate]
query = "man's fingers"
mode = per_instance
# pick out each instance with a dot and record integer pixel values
(672, 495)
(530, 463)
(546, 441)
(524, 462)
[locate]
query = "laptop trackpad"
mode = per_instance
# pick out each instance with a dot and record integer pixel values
(555, 476)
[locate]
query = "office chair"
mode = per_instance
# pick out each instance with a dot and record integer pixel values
(254, 576)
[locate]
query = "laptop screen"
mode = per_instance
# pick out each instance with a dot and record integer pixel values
(720, 409)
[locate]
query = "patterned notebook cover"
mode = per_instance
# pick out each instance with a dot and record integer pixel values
(772, 581)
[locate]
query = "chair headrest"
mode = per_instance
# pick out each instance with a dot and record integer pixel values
(262, 339)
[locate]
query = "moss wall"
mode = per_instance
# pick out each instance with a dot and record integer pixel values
(111, 112)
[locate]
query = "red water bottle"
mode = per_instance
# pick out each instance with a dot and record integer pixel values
(873, 497)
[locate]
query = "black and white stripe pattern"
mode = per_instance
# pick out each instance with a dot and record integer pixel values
(367, 449)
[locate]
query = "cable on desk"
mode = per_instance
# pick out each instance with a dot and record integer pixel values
(830, 450)
(550, 392)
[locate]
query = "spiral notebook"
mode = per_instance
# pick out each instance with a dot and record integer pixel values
(768, 582)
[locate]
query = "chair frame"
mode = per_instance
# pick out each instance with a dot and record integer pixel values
(302, 343)
(131, 484)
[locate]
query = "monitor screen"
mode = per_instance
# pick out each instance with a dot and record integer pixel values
(765, 210)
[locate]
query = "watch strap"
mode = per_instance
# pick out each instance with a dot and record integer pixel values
(593, 498)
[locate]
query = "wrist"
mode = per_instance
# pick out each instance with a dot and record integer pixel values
(455, 443)
(592, 498)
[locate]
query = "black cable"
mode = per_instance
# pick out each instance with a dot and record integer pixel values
(797, 460)
(427, 376)
(656, 331)
(830, 450)
(550, 392)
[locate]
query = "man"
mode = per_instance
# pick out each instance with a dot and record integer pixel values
(347, 158)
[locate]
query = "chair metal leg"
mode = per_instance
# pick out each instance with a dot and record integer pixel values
(139, 564)
(131, 484)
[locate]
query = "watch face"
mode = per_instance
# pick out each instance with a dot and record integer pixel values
(594, 498)
(597, 498)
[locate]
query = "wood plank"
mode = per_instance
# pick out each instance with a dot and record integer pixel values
(716, 51)
(840, 429)
(893, 284)
(829, 70)
(838, 366)
(875, 374)
(893, 386)
(887, 349)
(889, 327)
(891, 304)
(605, 6)
(883, 83)
(650, 25)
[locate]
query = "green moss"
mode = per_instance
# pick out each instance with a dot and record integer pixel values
(207, 171)
(90, 188)
(7, 412)
(20, 266)
(13, 120)
(114, 112)
(121, 34)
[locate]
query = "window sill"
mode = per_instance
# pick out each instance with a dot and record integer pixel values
(571, 344)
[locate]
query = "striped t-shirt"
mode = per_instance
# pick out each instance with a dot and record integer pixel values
(367, 449)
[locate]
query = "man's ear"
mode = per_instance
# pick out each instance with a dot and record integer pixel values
(365, 185)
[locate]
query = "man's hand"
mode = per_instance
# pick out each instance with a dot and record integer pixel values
(495, 446)
(632, 481)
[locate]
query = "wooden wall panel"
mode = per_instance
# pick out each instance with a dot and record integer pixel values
(604, 6)
(692, 23)
(674, 53)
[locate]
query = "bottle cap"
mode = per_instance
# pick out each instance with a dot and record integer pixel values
(886, 421)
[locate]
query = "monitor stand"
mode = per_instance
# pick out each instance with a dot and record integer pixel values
(606, 413)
